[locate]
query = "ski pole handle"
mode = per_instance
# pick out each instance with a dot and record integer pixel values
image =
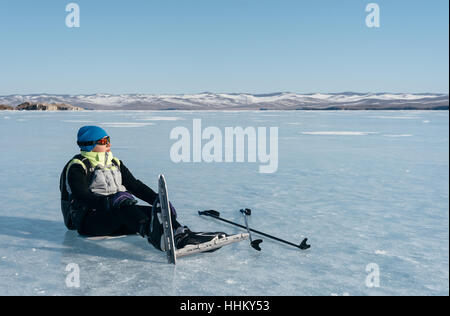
(211, 213)
(247, 211)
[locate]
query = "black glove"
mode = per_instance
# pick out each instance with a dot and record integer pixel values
(120, 199)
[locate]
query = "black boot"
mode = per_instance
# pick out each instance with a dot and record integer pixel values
(184, 236)
(155, 235)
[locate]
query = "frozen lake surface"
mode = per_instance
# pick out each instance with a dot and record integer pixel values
(369, 189)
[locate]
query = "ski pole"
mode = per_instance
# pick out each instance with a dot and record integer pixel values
(253, 243)
(216, 215)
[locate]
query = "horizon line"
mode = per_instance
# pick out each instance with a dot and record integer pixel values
(209, 92)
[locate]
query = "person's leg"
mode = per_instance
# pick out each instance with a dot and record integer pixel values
(126, 220)
(141, 220)
(182, 234)
(155, 231)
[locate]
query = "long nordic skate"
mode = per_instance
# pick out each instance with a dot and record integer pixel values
(169, 242)
(210, 245)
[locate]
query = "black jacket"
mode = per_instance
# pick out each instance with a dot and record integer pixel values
(79, 185)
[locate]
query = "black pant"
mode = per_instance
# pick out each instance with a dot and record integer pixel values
(123, 221)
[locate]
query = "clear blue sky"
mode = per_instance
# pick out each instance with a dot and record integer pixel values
(255, 46)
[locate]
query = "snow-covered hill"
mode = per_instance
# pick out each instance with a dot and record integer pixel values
(234, 101)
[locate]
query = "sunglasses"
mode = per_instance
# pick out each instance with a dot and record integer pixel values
(104, 141)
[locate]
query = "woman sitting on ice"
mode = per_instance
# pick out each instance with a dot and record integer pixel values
(97, 197)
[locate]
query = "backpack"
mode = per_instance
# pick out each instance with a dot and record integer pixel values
(69, 208)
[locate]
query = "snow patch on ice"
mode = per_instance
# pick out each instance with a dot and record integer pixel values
(343, 133)
(76, 121)
(381, 252)
(125, 125)
(39, 291)
(398, 135)
(396, 117)
(343, 294)
(162, 118)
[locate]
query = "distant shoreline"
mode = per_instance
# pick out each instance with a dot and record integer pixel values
(280, 101)
(229, 110)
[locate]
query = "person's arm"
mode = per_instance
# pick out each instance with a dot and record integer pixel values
(136, 187)
(79, 185)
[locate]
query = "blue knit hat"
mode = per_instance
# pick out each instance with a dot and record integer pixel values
(88, 135)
